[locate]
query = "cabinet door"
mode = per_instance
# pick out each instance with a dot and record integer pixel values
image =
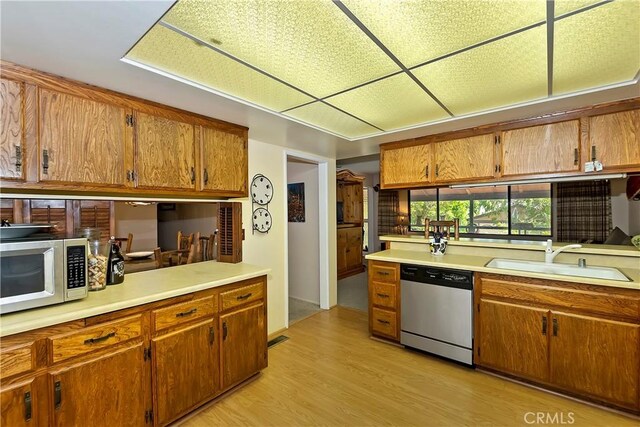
(244, 344)
(352, 203)
(109, 390)
(513, 339)
(54, 212)
(541, 149)
(95, 214)
(185, 365)
(405, 166)
(354, 248)
(465, 158)
(164, 153)
(615, 139)
(596, 357)
(84, 140)
(342, 250)
(19, 404)
(224, 161)
(12, 131)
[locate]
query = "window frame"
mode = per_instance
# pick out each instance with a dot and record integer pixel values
(507, 236)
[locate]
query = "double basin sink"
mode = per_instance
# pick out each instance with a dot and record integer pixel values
(607, 273)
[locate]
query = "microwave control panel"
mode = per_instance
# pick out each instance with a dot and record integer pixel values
(76, 267)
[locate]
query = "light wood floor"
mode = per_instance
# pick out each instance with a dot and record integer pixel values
(330, 373)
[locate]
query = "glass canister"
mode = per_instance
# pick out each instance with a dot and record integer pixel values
(97, 259)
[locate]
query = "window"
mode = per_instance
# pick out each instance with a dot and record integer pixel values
(501, 210)
(365, 219)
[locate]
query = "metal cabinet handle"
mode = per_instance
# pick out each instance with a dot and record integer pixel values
(193, 175)
(27, 406)
(57, 394)
(437, 170)
(426, 172)
(386, 322)
(245, 296)
(555, 327)
(593, 153)
(45, 161)
(18, 158)
(383, 273)
(382, 295)
(212, 335)
(544, 325)
(206, 176)
(224, 331)
(187, 313)
(99, 339)
(575, 157)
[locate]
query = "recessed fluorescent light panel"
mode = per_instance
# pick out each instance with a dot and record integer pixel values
(360, 68)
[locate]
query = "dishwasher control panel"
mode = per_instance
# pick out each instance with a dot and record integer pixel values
(460, 279)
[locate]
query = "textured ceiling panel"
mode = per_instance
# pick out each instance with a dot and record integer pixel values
(502, 73)
(416, 31)
(598, 47)
(392, 103)
(565, 6)
(168, 51)
(326, 117)
(311, 44)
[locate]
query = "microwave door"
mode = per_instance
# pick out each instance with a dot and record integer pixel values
(27, 275)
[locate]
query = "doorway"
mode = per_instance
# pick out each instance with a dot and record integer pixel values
(303, 238)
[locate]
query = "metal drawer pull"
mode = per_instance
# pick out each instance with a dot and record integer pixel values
(187, 313)
(382, 295)
(193, 175)
(383, 273)
(575, 156)
(45, 162)
(224, 331)
(544, 325)
(27, 406)
(212, 335)
(386, 322)
(57, 394)
(206, 176)
(593, 153)
(99, 339)
(555, 327)
(245, 296)
(426, 172)
(18, 158)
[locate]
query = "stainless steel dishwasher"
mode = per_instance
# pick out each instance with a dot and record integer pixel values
(437, 311)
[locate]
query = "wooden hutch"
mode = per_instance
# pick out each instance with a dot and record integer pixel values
(349, 195)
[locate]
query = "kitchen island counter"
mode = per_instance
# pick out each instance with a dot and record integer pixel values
(137, 289)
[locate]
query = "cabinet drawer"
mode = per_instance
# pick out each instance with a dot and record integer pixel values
(383, 295)
(387, 272)
(181, 313)
(17, 360)
(87, 340)
(239, 296)
(383, 322)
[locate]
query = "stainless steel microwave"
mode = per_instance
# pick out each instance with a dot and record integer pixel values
(42, 272)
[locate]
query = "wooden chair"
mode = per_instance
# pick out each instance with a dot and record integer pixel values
(443, 227)
(207, 245)
(163, 259)
(128, 240)
(184, 243)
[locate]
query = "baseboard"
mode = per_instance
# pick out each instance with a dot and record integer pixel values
(276, 333)
(305, 300)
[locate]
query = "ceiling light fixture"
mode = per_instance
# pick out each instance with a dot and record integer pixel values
(541, 181)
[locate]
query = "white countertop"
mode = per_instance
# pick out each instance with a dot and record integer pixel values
(477, 263)
(527, 245)
(137, 289)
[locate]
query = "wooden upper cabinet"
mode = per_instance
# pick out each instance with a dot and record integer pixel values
(552, 148)
(11, 131)
(405, 166)
(596, 357)
(514, 339)
(465, 159)
(224, 160)
(352, 203)
(81, 140)
(165, 155)
(615, 139)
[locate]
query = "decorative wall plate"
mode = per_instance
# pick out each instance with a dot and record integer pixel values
(261, 190)
(262, 220)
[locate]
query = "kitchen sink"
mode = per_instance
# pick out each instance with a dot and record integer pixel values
(607, 273)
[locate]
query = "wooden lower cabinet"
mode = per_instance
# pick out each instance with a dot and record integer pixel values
(597, 357)
(185, 369)
(577, 338)
(244, 345)
(513, 338)
(349, 251)
(132, 367)
(384, 300)
(108, 390)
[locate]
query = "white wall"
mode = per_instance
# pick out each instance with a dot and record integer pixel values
(269, 250)
(304, 268)
(189, 218)
(141, 221)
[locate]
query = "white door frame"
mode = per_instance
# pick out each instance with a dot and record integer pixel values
(323, 226)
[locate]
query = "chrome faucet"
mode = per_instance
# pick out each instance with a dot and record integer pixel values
(550, 254)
